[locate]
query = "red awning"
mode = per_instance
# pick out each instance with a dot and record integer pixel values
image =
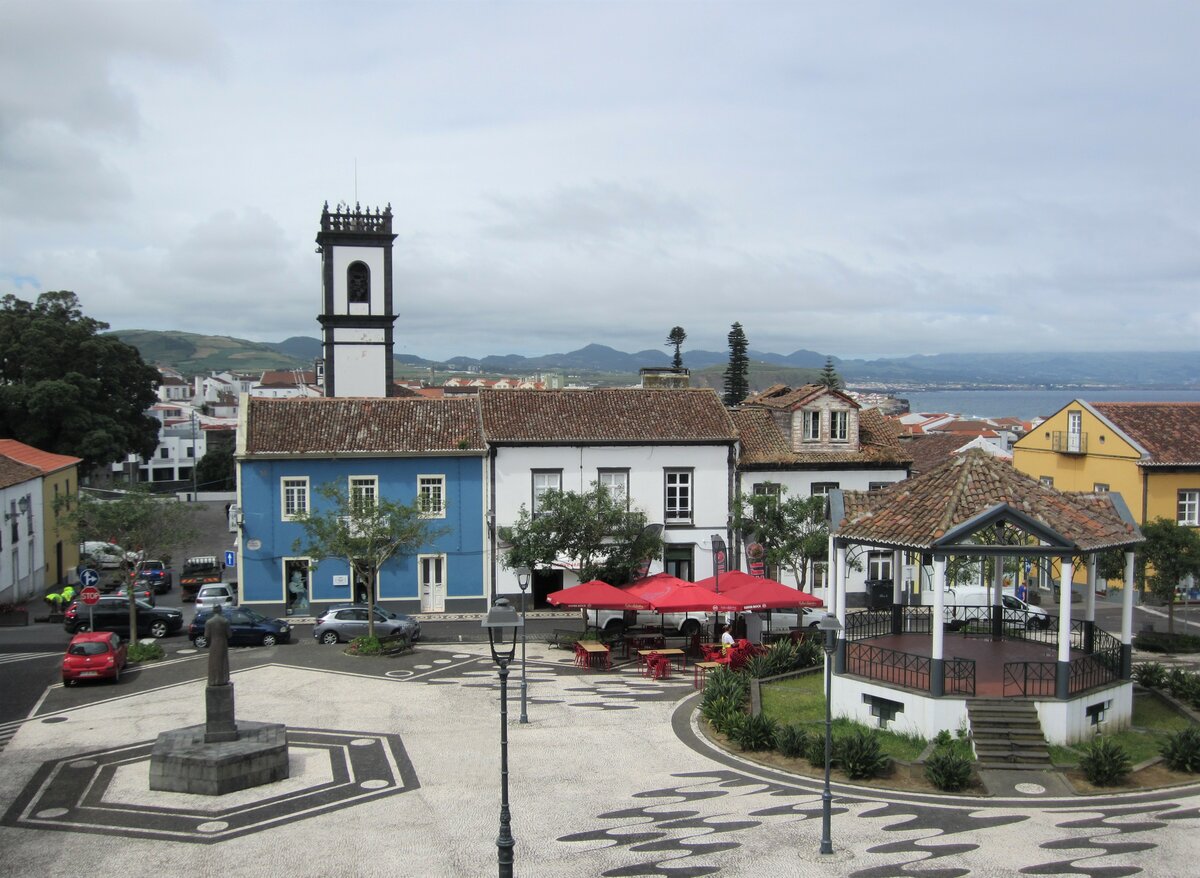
(597, 595)
(691, 598)
(767, 594)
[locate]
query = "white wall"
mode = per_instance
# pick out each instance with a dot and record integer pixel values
(22, 563)
(922, 715)
(1068, 722)
(343, 255)
(646, 465)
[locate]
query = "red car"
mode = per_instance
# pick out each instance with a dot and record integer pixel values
(94, 655)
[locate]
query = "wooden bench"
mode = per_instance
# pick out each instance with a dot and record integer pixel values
(563, 638)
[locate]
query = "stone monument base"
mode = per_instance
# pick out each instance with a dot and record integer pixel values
(184, 762)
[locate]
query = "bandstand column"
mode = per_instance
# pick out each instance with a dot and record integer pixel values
(1062, 687)
(997, 614)
(897, 591)
(839, 610)
(1089, 607)
(937, 679)
(1127, 619)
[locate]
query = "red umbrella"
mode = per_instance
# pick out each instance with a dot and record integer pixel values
(597, 595)
(691, 598)
(654, 586)
(767, 594)
(727, 581)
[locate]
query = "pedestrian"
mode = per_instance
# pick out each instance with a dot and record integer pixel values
(726, 639)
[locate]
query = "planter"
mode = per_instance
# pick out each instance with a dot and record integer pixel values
(14, 618)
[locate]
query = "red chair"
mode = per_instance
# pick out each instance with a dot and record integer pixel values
(660, 667)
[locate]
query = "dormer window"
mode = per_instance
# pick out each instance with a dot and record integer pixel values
(812, 425)
(358, 283)
(839, 426)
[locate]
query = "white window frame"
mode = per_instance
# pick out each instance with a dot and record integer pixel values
(433, 481)
(1187, 509)
(365, 484)
(839, 425)
(537, 490)
(284, 515)
(425, 561)
(811, 422)
(879, 562)
(823, 489)
(678, 482)
(608, 476)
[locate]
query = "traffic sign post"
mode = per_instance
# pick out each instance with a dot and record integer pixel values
(90, 596)
(230, 559)
(89, 578)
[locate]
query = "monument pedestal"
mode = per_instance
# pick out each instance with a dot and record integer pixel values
(187, 761)
(220, 724)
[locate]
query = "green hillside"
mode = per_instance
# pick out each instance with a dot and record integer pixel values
(194, 354)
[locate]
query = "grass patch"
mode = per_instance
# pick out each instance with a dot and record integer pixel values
(800, 701)
(1151, 713)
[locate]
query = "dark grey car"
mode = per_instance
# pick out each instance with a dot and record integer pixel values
(344, 622)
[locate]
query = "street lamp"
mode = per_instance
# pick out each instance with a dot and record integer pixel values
(523, 584)
(831, 628)
(502, 623)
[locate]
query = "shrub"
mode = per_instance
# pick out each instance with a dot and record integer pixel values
(815, 751)
(366, 646)
(792, 741)
(1152, 675)
(722, 712)
(724, 683)
(943, 738)
(753, 732)
(861, 755)
(1104, 762)
(145, 652)
(781, 658)
(809, 653)
(757, 667)
(1181, 751)
(1180, 683)
(1155, 641)
(947, 769)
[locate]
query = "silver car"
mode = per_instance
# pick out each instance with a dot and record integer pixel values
(344, 622)
(209, 596)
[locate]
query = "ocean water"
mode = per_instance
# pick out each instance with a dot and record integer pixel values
(1029, 404)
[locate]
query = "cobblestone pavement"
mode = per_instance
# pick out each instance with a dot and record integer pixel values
(395, 770)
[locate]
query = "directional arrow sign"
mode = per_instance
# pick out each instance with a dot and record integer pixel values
(89, 577)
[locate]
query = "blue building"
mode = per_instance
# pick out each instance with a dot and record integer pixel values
(395, 448)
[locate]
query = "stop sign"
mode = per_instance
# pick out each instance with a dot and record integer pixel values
(90, 595)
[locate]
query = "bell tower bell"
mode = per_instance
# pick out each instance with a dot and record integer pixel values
(357, 315)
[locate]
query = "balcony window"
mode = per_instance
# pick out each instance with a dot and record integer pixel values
(811, 421)
(678, 488)
(431, 492)
(839, 426)
(544, 480)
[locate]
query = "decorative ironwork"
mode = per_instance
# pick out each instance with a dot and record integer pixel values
(959, 675)
(867, 624)
(347, 219)
(1030, 678)
(889, 665)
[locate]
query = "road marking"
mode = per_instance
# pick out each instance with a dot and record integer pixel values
(9, 658)
(1180, 616)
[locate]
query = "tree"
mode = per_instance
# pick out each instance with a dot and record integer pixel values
(1170, 555)
(829, 376)
(677, 337)
(67, 389)
(792, 530)
(366, 531)
(215, 471)
(594, 534)
(137, 520)
(737, 373)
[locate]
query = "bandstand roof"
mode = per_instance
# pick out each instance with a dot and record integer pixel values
(939, 511)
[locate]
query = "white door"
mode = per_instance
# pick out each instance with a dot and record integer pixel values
(1074, 431)
(433, 583)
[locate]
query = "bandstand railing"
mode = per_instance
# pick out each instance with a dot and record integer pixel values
(888, 665)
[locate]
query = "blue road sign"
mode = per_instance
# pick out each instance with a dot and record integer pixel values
(1028, 565)
(230, 559)
(88, 577)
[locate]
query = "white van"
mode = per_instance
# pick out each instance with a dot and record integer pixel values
(968, 602)
(616, 621)
(106, 556)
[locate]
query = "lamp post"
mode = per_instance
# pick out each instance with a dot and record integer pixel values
(831, 627)
(502, 623)
(523, 584)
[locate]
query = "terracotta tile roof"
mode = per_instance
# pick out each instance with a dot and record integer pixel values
(605, 415)
(13, 472)
(929, 450)
(287, 378)
(1169, 431)
(347, 425)
(46, 461)
(764, 445)
(916, 513)
(780, 396)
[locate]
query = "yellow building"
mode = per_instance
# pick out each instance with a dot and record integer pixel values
(1148, 452)
(60, 478)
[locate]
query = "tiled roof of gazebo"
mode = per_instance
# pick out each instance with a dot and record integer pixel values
(918, 512)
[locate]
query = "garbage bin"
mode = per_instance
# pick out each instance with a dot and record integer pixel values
(879, 594)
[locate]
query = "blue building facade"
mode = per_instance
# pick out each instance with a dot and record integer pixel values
(397, 449)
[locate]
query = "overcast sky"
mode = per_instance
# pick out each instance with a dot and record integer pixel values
(860, 179)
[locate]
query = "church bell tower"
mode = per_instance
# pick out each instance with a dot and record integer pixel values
(357, 315)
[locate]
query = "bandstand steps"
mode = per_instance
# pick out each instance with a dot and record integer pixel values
(1007, 734)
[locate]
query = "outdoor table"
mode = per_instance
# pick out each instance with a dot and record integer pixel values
(700, 672)
(595, 652)
(672, 654)
(642, 641)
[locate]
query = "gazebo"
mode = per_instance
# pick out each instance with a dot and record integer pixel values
(896, 663)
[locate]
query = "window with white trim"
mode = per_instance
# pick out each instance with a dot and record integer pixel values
(616, 481)
(364, 490)
(811, 421)
(1100, 488)
(293, 492)
(678, 501)
(544, 480)
(1046, 481)
(879, 565)
(1189, 508)
(822, 489)
(839, 426)
(431, 492)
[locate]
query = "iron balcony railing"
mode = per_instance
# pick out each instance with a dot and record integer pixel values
(888, 665)
(1066, 442)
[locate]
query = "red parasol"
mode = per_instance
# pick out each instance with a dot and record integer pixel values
(597, 595)
(691, 598)
(767, 594)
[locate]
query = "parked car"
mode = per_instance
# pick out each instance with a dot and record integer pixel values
(783, 621)
(344, 622)
(209, 596)
(616, 621)
(964, 603)
(154, 574)
(111, 613)
(198, 572)
(94, 655)
(246, 628)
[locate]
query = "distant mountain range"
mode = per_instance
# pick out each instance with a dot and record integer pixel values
(192, 354)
